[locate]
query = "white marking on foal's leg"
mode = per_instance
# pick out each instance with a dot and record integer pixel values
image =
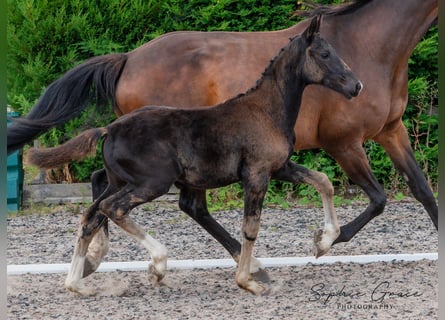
(255, 265)
(256, 269)
(158, 253)
(324, 238)
(249, 229)
(157, 250)
(97, 250)
(243, 274)
(73, 280)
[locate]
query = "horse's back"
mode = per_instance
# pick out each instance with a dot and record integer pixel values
(196, 69)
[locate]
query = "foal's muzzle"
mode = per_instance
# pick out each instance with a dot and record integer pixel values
(353, 90)
(358, 89)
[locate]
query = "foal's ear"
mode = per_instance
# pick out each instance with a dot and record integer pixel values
(313, 28)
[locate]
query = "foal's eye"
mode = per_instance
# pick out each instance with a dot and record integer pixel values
(325, 54)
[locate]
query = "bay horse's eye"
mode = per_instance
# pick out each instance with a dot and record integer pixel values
(325, 54)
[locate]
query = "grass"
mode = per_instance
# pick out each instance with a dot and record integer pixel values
(226, 198)
(216, 203)
(42, 208)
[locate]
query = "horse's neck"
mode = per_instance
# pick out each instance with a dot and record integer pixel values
(387, 30)
(280, 90)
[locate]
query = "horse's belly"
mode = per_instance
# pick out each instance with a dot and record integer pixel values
(207, 179)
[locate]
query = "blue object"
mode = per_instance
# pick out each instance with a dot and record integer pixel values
(15, 176)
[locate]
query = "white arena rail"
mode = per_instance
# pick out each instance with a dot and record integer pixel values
(223, 263)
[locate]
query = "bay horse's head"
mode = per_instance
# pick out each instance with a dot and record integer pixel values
(324, 66)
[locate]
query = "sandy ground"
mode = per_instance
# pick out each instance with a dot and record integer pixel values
(393, 290)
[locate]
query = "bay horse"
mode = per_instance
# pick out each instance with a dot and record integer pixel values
(248, 138)
(375, 38)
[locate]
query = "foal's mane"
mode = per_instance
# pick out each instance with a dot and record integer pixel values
(267, 69)
(331, 10)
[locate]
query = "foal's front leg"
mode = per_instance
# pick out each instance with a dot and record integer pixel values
(254, 192)
(193, 202)
(323, 238)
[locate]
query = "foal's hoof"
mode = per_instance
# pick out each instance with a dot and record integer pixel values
(261, 275)
(79, 289)
(254, 287)
(89, 266)
(323, 240)
(154, 276)
(257, 271)
(320, 252)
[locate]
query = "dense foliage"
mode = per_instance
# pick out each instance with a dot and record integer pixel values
(47, 38)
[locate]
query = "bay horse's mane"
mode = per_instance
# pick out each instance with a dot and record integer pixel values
(316, 10)
(331, 10)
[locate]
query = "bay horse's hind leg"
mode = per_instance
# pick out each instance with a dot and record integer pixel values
(354, 162)
(193, 203)
(323, 238)
(117, 208)
(396, 143)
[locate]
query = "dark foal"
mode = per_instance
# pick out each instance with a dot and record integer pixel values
(375, 38)
(248, 138)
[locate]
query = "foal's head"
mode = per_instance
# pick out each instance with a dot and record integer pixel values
(323, 65)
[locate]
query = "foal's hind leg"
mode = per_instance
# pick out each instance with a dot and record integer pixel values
(323, 238)
(98, 247)
(90, 222)
(118, 206)
(193, 202)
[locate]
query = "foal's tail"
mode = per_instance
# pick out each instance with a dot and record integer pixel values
(94, 80)
(75, 149)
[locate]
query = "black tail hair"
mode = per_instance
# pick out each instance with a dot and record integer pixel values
(92, 81)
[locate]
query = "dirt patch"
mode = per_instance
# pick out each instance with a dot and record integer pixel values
(341, 291)
(392, 290)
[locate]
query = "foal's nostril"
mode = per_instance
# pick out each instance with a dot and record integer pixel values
(358, 87)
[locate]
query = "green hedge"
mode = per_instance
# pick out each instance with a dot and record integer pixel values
(47, 38)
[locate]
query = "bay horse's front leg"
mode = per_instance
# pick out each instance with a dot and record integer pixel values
(254, 192)
(323, 238)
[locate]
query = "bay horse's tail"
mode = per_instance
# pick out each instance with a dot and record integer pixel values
(92, 81)
(75, 149)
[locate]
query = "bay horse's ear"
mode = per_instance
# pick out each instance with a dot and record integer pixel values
(313, 28)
